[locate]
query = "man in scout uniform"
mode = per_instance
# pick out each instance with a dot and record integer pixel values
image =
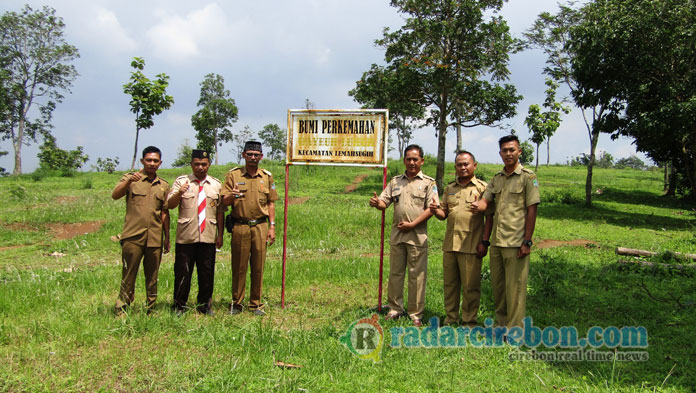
(515, 191)
(251, 192)
(411, 194)
(463, 249)
(199, 230)
(147, 218)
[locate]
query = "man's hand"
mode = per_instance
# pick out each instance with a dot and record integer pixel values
(523, 251)
(481, 250)
(476, 207)
(218, 242)
(374, 201)
(135, 177)
(404, 226)
(433, 206)
(271, 234)
(184, 187)
(167, 246)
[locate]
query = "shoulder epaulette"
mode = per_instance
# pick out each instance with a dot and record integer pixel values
(527, 170)
(428, 177)
(186, 176)
(452, 182)
(267, 172)
(216, 179)
(234, 169)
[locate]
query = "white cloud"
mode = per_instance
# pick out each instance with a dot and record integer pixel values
(103, 30)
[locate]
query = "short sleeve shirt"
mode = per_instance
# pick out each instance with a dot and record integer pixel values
(258, 192)
(512, 195)
(187, 226)
(145, 201)
(410, 198)
(464, 229)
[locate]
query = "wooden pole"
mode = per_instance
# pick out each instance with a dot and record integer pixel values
(644, 253)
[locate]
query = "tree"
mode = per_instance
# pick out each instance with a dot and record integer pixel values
(107, 165)
(551, 34)
(543, 125)
(218, 113)
(276, 139)
(392, 88)
(35, 70)
(636, 57)
(527, 153)
(632, 162)
(53, 157)
(3, 172)
(239, 140)
(183, 155)
(457, 57)
(148, 99)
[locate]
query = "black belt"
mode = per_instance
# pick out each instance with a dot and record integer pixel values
(251, 223)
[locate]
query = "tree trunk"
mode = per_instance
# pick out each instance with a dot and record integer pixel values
(459, 130)
(216, 146)
(665, 182)
(536, 167)
(590, 165)
(689, 163)
(17, 144)
(548, 150)
(672, 179)
(135, 150)
(441, 140)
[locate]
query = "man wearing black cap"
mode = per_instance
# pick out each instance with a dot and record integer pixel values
(251, 192)
(199, 230)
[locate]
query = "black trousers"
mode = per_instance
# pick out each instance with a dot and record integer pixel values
(203, 256)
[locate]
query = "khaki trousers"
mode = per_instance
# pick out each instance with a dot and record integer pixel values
(248, 249)
(415, 258)
(509, 283)
(131, 254)
(461, 276)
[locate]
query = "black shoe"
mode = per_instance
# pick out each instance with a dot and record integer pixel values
(206, 311)
(259, 312)
(234, 310)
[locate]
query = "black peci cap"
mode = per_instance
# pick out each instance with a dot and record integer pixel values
(253, 145)
(199, 154)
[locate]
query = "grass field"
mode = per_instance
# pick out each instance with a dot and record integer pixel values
(59, 275)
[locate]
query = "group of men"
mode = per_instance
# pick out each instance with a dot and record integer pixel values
(202, 201)
(500, 215)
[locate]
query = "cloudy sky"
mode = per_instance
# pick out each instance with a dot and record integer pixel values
(272, 54)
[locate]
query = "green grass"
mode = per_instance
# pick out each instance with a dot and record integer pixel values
(58, 331)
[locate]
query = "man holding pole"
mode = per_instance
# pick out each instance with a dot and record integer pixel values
(252, 193)
(411, 194)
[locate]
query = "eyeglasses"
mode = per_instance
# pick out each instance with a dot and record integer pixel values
(253, 154)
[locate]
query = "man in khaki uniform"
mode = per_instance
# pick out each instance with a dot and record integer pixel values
(252, 193)
(411, 194)
(147, 218)
(199, 230)
(515, 191)
(463, 249)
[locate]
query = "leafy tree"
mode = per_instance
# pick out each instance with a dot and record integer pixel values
(632, 162)
(275, 138)
(636, 57)
(148, 99)
(107, 165)
(239, 140)
(35, 70)
(543, 125)
(217, 114)
(3, 172)
(551, 34)
(527, 153)
(183, 155)
(458, 56)
(53, 157)
(392, 88)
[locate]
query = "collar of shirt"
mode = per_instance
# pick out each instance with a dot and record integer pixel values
(153, 181)
(418, 175)
(245, 173)
(467, 183)
(517, 171)
(193, 178)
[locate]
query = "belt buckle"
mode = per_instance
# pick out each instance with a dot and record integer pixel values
(252, 223)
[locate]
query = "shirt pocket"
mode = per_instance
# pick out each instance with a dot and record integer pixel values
(138, 197)
(452, 201)
(244, 190)
(516, 192)
(396, 196)
(263, 194)
(188, 200)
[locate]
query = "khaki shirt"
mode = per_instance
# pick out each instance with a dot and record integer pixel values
(257, 192)
(145, 201)
(187, 224)
(410, 197)
(512, 195)
(464, 229)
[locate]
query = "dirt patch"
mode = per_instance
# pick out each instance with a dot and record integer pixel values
(12, 247)
(298, 200)
(66, 199)
(20, 227)
(550, 243)
(356, 182)
(69, 231)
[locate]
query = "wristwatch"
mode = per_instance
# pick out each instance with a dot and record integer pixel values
(527, 243)
(486, 243)
(273, 223)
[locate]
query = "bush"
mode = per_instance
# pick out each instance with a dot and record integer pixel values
(107, 165)
(53, 157)
(563, 196)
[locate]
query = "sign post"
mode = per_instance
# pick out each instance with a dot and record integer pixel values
(355, 137)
